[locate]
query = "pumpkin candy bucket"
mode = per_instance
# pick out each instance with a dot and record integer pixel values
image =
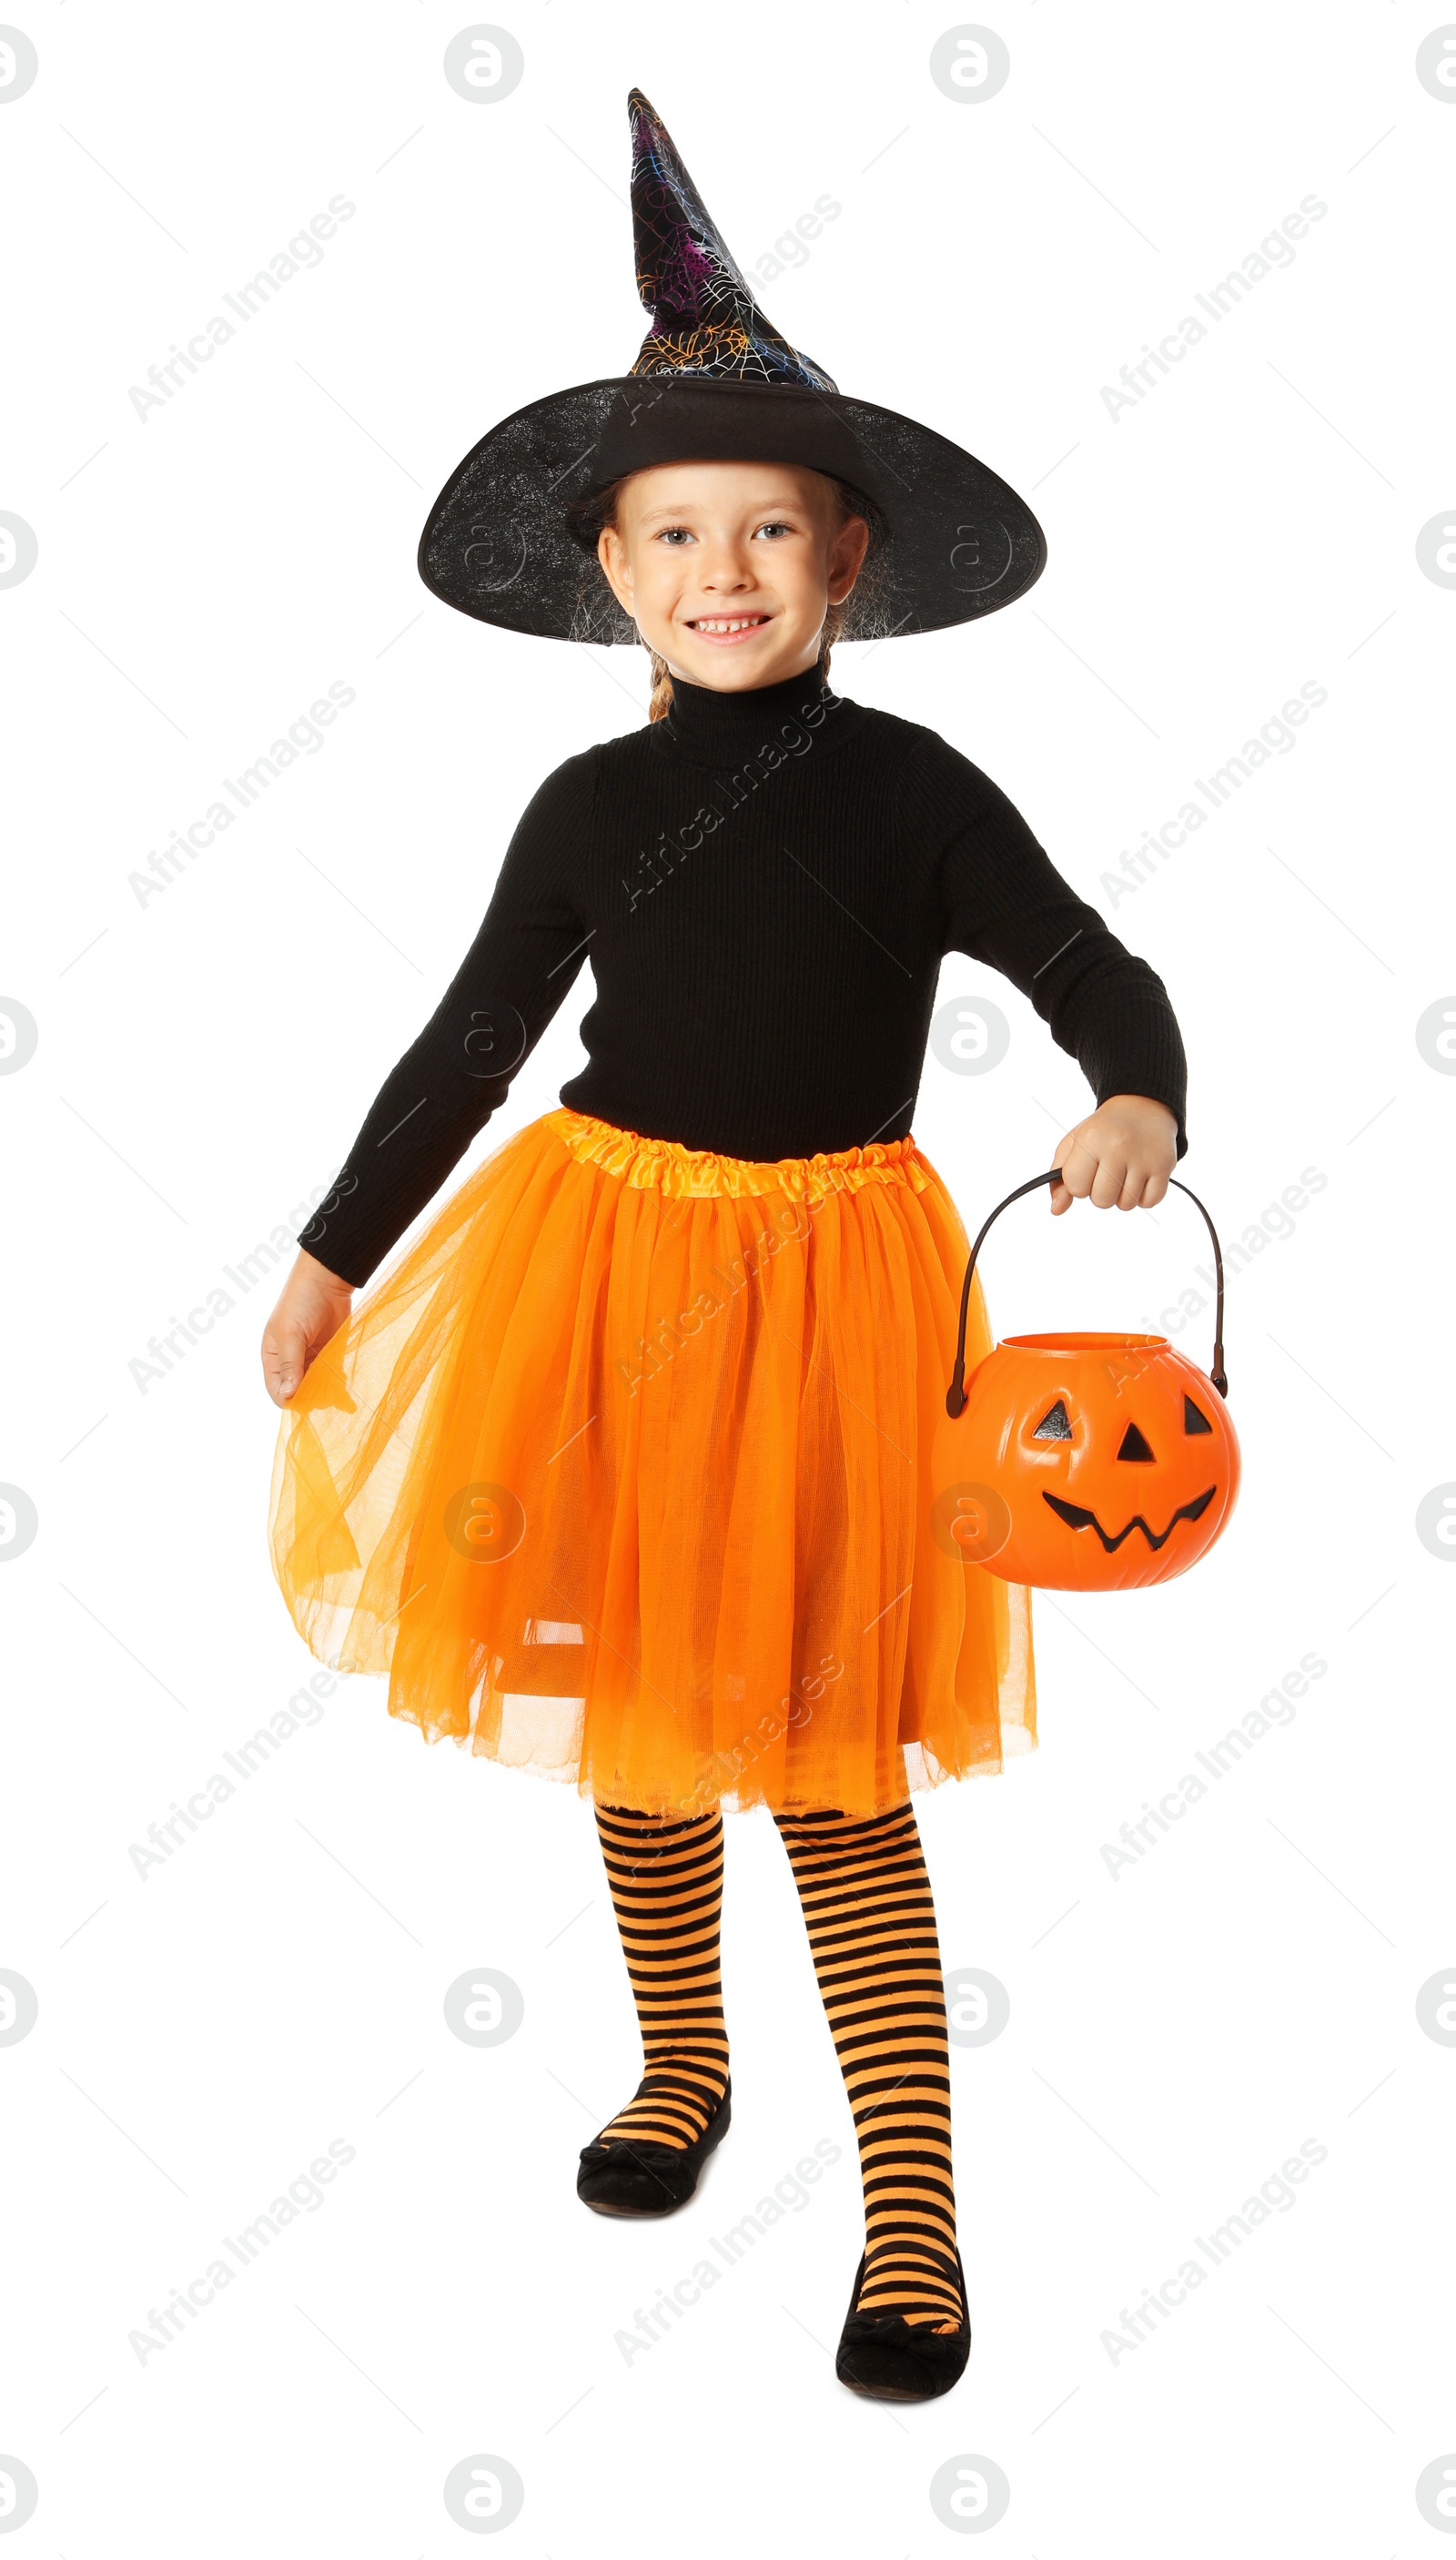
(1084, 1462)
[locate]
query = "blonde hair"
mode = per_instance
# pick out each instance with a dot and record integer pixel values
(588, 519)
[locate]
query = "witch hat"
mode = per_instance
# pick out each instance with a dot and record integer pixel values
(715, 380)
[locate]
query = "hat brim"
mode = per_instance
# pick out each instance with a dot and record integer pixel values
(956, 540)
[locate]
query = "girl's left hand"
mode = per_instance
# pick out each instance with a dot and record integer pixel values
(1121, 1157)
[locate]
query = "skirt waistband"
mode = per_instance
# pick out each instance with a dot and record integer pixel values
(696, 1173)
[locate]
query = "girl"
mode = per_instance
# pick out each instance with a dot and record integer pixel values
(621, 1474)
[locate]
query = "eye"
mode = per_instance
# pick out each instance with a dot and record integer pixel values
(671, 533)
(774, 528)
(1193, 1420)
(1053, 1425)
(1134, 1446)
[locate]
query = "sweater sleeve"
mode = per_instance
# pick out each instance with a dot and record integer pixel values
(515, 974)
(1004, 902)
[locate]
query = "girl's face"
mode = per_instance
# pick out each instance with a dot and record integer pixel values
(728, 568)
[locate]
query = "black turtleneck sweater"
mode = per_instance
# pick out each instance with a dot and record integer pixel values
(766, 884)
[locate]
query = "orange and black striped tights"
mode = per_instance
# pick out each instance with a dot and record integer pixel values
(867, 1904)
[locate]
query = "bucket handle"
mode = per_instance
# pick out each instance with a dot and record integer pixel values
(956, 1392)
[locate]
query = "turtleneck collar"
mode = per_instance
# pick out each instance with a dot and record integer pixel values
(704, 727)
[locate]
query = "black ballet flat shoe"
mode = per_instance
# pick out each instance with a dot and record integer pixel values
(648, 2178)
(898, 2359)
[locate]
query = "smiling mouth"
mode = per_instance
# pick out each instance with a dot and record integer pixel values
(1077, 1518)
(728, 626)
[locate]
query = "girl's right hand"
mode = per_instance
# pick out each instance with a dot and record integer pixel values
(314, 1304)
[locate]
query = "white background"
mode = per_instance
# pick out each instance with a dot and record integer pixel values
(1177, 2032)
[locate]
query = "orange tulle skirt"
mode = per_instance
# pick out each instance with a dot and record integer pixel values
(622, 1476)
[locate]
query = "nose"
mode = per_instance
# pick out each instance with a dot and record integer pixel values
(725, 566)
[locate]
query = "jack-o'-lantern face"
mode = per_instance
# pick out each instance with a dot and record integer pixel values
(1089, 1462)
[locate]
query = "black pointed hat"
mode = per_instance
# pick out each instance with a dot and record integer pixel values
(715, 380)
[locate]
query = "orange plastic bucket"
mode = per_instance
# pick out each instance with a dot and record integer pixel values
(1086, 1461)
